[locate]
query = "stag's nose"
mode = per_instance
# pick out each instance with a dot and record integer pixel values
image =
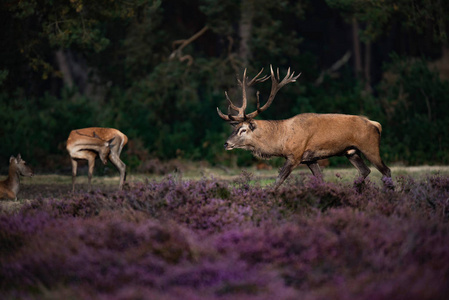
(226, 145)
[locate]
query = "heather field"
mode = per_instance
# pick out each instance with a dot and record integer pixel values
(228, 235)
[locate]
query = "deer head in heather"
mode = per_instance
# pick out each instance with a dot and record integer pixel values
(9, 188)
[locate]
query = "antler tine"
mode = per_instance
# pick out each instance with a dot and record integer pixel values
(244, 99)
(272, 73)
(231, 105)
(258, 101)
(223, 116)
(276, 85)
(241, 110)
(255, 79)
(229, 116)
(290, 77)
(288, 74)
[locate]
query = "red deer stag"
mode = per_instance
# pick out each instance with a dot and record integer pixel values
(87, 143)
(9, 188)
(304, 138)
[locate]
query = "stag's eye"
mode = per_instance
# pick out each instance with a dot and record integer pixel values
(242, 131)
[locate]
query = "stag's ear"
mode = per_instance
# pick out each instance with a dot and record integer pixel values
(252, 125)
(234, 123)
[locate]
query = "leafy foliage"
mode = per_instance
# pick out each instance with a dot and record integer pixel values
(71, 64)
(37, 128)
(375, 14)
(415, 107)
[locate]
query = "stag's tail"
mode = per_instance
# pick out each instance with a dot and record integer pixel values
(377, 125)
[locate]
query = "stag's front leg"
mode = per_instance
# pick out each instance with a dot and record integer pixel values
(315, 168)
(284, 172)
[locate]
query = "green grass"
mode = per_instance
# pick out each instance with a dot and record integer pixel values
(262, 177)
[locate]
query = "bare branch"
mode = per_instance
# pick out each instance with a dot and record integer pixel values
(177, 53)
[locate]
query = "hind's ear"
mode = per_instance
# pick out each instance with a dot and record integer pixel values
(12, 158)
(110, 142)
(19, 157)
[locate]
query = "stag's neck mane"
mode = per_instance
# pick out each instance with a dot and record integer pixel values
(267, 141)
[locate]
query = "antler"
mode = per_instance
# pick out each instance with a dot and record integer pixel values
(241, 116)
(275, 87)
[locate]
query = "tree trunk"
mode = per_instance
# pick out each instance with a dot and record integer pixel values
(356, 48)
(245, 31)
(367, 69)
(245, 28)
(64, 68)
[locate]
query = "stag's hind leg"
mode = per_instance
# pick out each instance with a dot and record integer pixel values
(315, 168)
(357, 161)
(374, 158)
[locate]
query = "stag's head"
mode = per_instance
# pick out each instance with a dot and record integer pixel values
(244, 125)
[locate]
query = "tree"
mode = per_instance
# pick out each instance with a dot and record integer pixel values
(369, 20)
(42, 29)
(427, 16)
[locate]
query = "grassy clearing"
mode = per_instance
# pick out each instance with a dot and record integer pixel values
(262, 177)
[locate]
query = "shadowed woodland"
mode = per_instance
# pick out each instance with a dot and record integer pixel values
(157, 70)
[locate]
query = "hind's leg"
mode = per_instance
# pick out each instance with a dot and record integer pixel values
(74, 169)
(120, 165)
(91, 164)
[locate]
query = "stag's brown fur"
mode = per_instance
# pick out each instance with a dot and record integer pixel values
(307, 138)
(304, 138)
(87, 143)
(9, 188)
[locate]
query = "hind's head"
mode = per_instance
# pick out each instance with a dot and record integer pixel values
(20, 166)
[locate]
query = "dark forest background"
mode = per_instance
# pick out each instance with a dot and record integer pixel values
(157, 70)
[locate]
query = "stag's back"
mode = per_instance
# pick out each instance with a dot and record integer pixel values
(334, 131)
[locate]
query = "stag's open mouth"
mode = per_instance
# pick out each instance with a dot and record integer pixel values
(228, 147)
